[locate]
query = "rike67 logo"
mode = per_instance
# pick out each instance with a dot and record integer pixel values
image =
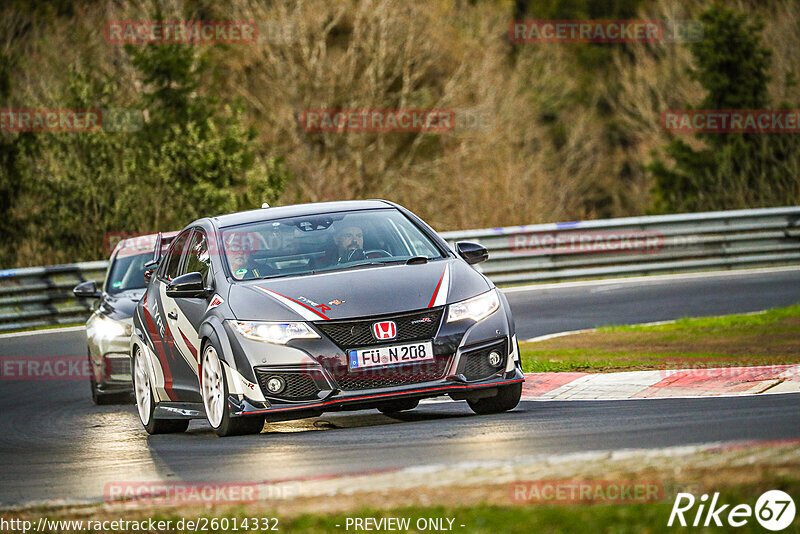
(774, 510)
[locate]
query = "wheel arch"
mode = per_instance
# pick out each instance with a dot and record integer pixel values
(213, 331)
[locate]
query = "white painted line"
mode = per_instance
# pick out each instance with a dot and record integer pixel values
(55, 330)
(558, 334)
(607, 385)
(654, 323)
(784, 387)
(627, 384)
(648, 279)
(674, 397)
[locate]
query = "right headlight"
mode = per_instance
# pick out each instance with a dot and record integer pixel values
(476, 308)
(274, 332)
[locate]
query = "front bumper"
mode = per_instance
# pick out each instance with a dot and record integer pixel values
(110, 363)
(368, 399)
(318, 378)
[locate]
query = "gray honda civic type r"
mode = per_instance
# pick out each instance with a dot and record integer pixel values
(288, 312)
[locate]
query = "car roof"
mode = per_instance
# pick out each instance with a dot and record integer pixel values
(297, 210)
(143, 243)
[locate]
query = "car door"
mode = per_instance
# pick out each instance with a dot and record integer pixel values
(186, 314)
(176, 371)
(181, 336)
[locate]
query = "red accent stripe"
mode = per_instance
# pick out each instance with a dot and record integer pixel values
(383, 395)
(297, 302)
(537, 384)
(159, 346)
(188, 344)
(438, 285)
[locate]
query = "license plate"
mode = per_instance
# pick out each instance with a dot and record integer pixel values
(390, 355)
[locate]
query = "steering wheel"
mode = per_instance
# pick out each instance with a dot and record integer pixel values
(377, 253)
(358, 254)
(354, 255)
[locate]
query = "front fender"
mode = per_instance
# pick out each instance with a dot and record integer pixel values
(214, 330)
(507, 308)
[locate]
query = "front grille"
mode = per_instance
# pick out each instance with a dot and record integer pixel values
(475, 364)
(118, 365)
(300, 385)
(399, 375)
(412, 326)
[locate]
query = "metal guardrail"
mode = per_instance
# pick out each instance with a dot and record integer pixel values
(38, 296)
(518, 254)
(638, 245)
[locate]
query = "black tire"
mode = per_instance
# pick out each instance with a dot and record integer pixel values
(240, 426)
(98, 398)
(506, 399)
(233, 426)
(104, 399)
(398, 406)
(153, 425)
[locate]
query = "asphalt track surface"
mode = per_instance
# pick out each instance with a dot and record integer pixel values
(55, 444)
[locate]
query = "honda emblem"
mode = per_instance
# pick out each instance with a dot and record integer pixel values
(384, 330)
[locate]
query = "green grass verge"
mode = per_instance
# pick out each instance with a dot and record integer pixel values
(768, 338)
(524, 519)
(725, 324)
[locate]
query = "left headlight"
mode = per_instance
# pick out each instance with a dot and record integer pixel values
(280, 333)
(476, 308)
(106, 328)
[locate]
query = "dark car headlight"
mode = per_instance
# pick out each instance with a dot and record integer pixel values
(475, 308)
(274, 332)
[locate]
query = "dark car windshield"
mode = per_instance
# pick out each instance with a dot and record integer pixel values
(321, 243)
(127, 272)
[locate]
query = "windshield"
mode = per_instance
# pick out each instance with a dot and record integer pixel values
(127, 272)
(321, 243)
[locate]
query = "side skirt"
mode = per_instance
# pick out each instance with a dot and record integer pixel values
(179, 410)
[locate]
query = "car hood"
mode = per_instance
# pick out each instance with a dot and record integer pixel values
(368, 291)
(121, 305)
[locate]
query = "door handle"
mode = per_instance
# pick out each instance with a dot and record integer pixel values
(172, 315)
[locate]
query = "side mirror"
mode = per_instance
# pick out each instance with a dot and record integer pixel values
(87, 290)
(472, 252)
(149, 267)
(189, 285)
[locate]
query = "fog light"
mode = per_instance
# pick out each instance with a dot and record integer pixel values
(275, 384)
(495, 358)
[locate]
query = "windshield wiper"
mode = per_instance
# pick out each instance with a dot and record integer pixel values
(273, 276)
(414, 260)
(367, 264)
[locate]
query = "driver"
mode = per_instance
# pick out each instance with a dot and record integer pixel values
(241, 267)
(239, 249)
(349, 242)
